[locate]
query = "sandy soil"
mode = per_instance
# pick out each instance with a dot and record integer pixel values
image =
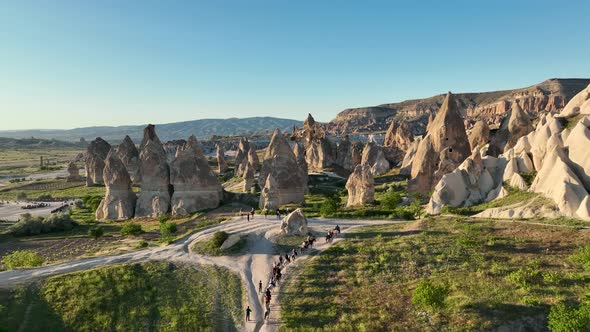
(253, 266)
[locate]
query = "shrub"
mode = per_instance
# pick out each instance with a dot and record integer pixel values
(79, 204)
(29, 225)
(582, 257)
(525, 277)
(163, 218)
(21, 196)
(96, 232)
(167, 229)
(391, 199)
(22, 258)
(564, 318)
(142, 244)
(131, 228)
(219, 237)
(92, 202)
(330, 205)
(429, 296)
(44, 197)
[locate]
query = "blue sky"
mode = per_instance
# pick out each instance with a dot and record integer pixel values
(66, 64)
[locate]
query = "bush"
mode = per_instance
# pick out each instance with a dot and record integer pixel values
(330, 205)
(142, 244)
(79, 204)
(131, 228)
(21, 196)
(96, 232)
(564, 318)
(582, 257)
(22, 258)
(219, 237)
(92, 202)
(163, 218)
(167, 229)
(29, 225)
(429, 296)
(391, 199)
(44, 197)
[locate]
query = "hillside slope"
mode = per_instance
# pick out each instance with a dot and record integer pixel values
(549, 95)
(202, 129)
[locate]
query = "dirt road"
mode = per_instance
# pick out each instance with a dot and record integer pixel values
(253, 266)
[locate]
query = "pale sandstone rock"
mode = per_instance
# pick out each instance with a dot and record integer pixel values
(129, 155)
(221, 163)
(294, 224)
(73, 173)
(269, 195)
(196, 186)
(444, 147)
(119, 200)
(518, 182)
(578, 103)
(480, 134)
(280, 161)
(374, 157)
(96, 153)
(154, 197)
(557, 181)
(360, 186)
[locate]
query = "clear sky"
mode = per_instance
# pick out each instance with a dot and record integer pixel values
(66, 64)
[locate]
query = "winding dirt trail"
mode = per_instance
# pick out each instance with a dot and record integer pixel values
(253, 266)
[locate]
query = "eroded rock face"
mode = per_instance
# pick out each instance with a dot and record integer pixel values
(243, 149)
(349, 154)
(374, 157)
(96, 154)
(73, 173)
(480, 135)
(196, 186)
(360, 186)
(319, 154)
(300, 156)
(294, 224)
(557, 181)
(269, 195)
(119, 200)
(578, 143)
(248, 178)
(129, 155)
(516, 125)
(280, 161)
(476, 180)
(442, 149)
(253, 158)
(579, 104)
(398, 139)
(220, 154)
(406, 166)
(154, 197)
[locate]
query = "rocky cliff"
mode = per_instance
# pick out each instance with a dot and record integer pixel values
(550, 95)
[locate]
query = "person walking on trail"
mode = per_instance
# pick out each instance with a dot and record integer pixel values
(248, 311)
(252, 212)
(278, 214)
(248, 216)
(260, 286)
(266, 314)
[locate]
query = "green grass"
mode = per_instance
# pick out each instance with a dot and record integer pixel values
(514, 196)
(491, 273)
(154, 296)
(62, 190)
(209, 247)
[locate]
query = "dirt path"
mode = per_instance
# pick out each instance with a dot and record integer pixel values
(253, 266)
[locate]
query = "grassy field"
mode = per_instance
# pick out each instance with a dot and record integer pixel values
(154, 296)
(486, 274)
(58, 188)
(24, 161)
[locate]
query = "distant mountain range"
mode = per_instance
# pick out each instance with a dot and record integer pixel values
(202, 129)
